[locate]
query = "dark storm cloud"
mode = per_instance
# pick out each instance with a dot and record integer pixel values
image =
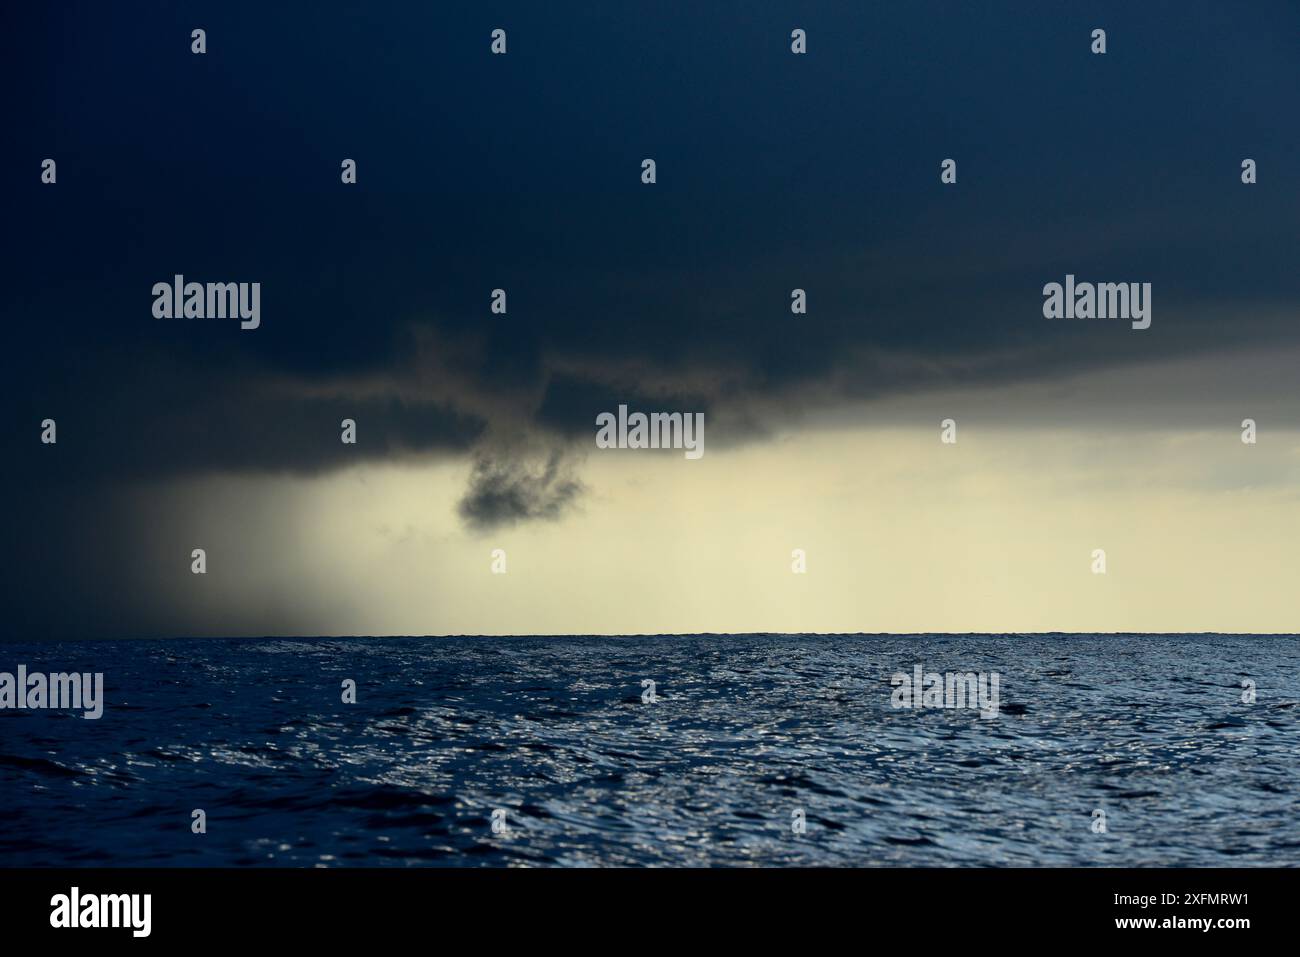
(522, 172)
(162, 420)
(505, 491)
(571, 403)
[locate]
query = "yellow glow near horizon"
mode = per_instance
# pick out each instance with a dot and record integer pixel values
(902, 534)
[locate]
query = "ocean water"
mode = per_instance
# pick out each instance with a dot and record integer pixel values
(745, 732)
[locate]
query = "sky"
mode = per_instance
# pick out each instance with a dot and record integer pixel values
(775, 171)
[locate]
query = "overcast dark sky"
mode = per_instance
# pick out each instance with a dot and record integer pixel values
(522, 171)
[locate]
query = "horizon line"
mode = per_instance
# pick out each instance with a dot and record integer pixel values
(686, 634)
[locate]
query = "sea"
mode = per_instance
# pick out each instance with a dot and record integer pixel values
(701, 750)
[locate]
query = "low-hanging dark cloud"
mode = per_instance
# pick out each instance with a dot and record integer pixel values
(506, 490)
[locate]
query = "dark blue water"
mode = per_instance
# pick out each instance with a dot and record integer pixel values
(1152, 730)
